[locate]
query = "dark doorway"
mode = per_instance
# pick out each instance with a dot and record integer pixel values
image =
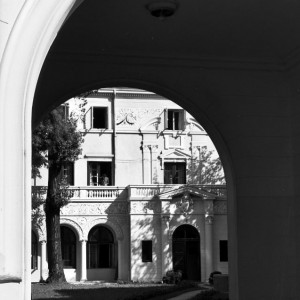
(186, 252)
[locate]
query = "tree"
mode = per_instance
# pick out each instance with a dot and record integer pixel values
(55, 141)
(206, 168)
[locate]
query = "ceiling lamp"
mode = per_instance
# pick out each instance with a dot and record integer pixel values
(162, 9)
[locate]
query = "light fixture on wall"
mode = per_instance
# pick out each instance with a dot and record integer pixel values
(162, 9)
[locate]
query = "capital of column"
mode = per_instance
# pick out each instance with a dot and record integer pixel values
(209, 219)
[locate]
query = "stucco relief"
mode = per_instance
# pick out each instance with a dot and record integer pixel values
(135, 116)
(95, 208)
(145, 207)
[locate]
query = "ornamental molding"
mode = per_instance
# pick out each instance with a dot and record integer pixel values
(185, 204)
(112, 223)
(152, 124)
(75, 226)
(193, 125)
(173, 155)
(117, 207)
(145, 207)
(138, 117)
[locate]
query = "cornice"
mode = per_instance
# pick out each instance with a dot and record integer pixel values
(279, 64)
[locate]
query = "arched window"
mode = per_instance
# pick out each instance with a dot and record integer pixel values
(100, 248)
(68, 247)
(34, 250)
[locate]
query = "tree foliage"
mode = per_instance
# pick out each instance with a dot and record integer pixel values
(207, 168)
(55, 141)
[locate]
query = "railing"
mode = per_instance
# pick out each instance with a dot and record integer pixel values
(134, 191)
(98, 192)
(148, 191)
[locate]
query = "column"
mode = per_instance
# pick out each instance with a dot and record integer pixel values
(209, 218)
(83, 261)
(147, 164)
(154, 155)
(43, 260)
(165, 245)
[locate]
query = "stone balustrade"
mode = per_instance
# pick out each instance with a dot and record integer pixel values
(129, 192)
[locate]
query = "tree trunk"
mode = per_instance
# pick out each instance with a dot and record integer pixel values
(52, 210)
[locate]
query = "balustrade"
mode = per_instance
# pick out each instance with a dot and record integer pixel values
(112, 192)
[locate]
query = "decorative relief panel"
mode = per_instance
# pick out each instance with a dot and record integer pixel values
(135, 117)
(145, 207)
(95, 208)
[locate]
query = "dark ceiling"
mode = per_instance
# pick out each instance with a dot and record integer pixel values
(240, 29)
(110, 39)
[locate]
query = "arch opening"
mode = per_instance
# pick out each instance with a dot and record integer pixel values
(186, 252)
(162, 147)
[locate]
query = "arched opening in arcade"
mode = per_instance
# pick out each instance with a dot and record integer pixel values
(149, 167)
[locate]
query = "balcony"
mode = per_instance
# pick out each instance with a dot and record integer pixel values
(111, 193)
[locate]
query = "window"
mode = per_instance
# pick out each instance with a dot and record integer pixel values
(99, 173)
(68, 247)
(175, 173)
(67, 173)
(65, 110)
(224, 250)
(146, 251)
(174, 119)
(100, 248)
(96, 117)
(99, 117)
(34, 250)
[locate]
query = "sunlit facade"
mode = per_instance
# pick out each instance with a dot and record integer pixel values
(139, 206)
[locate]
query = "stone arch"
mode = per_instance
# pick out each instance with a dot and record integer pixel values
(76, 227)
(104, 221)
(173, 227)
(35, 29)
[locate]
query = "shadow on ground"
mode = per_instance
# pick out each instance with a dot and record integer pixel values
(91, 292)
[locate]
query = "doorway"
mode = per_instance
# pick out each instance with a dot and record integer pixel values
(186, 252)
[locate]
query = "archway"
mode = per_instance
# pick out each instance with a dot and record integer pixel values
(101, 254)
(68, 247)
(22, 95)
(186, 252)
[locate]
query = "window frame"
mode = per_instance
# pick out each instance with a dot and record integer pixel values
(147, 251)
(174, 125)
(174, 164)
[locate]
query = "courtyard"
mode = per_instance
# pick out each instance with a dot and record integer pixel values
(113, 291)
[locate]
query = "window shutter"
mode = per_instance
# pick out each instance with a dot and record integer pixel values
(166, 118)
(88, 119)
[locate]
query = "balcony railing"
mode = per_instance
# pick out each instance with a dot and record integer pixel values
(123, 193)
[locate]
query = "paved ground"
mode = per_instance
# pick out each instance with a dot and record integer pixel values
(186, 296)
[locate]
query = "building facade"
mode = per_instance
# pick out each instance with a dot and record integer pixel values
(139, 206)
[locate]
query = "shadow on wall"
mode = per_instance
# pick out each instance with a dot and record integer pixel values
(145, 267)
